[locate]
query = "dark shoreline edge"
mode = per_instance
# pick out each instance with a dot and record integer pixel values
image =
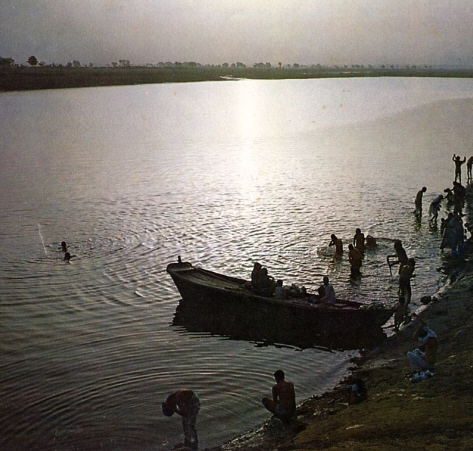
(326, 421)
(35, 78)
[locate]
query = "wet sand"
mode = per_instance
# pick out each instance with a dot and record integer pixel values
(397, 414)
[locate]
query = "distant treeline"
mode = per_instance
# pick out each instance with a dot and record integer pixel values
(47, 77)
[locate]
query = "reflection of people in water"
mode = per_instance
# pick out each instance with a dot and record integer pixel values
(185, 403)
(283, 404)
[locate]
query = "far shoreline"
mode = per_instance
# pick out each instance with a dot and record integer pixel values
(58, 77)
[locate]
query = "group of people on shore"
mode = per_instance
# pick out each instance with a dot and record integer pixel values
(422, 359)
(452, 227)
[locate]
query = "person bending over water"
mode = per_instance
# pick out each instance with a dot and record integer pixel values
(418, 201)
(185, 403)
(337, 242)
(435, 207)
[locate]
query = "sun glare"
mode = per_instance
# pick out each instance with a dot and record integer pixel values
(248, 133)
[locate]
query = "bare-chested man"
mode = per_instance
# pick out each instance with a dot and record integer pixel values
(283, 404)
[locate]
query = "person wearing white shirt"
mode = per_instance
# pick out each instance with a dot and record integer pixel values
(329, 296)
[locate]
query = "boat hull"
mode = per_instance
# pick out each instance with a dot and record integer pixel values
(215, 297)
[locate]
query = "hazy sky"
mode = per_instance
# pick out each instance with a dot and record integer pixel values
(249, 31)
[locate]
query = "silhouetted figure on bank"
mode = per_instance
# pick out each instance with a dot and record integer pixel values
(283, 403)
(423, 358)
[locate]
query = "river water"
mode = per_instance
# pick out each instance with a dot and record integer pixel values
(223, 174)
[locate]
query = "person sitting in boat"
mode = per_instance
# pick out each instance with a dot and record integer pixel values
(256, 274)
(266, 285)
(280, 292)
(329, 292)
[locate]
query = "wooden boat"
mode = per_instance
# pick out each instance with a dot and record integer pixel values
(218, 295)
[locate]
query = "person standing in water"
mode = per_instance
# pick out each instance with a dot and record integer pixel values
(458, 167)
(401, 256)
(338, 243)
(418, 201)
(359, 240)
(355, 258)
(469, 165)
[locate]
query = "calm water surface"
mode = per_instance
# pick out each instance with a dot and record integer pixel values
(223, 174)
